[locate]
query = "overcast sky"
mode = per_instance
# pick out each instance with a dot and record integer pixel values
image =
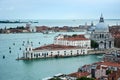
(59, 9)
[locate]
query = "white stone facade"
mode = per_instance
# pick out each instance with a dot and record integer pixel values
(86, 43)
(102, 35)
(29, 53)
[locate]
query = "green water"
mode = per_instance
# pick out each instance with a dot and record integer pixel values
(11, 69)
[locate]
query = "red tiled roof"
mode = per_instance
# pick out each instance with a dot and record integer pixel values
(109, 64)
(55, 47)
(103, 67)
(79, 74)
(98, 67)
(85, 66)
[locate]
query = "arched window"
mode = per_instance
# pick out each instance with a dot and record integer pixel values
(102, 35)
(34, 55)
(77, 51)
(26, 49)
(31, 55)
(29, 49)
(47, 54)
(65, 54)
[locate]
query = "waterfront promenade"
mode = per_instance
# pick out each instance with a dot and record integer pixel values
(103, 51)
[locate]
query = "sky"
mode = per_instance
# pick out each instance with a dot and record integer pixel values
(59, 9)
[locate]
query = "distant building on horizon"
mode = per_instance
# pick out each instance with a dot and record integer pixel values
(31, 28)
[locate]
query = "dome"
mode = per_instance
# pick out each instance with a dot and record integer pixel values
(101, 27)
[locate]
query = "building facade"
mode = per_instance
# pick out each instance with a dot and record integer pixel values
(53, 50)
(63, 46)
(74, 40)
(102, 35)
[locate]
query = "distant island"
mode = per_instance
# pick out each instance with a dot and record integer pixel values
(8, 21)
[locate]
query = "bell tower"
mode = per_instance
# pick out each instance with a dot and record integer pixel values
(101, 19)
(28, 51)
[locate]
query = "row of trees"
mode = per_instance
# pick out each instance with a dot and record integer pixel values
(94, 44)
(85, 78)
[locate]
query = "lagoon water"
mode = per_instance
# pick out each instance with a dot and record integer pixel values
(11, 69)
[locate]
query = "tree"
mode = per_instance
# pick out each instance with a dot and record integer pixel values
(74, 35)
(94, 44)
(108, 72)
(85, 78)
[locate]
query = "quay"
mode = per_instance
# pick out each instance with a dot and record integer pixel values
(103, 51)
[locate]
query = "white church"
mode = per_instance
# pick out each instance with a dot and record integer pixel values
(102, 35)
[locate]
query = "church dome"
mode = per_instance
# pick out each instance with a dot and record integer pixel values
(101, 26)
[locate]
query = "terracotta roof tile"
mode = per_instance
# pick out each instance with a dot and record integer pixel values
(79, 74)
(109, 64)
(55, 47)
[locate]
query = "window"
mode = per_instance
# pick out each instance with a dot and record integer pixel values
(31, 55)
(29, 49)
(39, 54)
(47, 54)
(34, 55)
(102, 35)
(64, 53)
(71, 51)
(26, 49)
(58, 52)
(77, 52)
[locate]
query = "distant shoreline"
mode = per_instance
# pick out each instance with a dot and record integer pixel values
(7, 21)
